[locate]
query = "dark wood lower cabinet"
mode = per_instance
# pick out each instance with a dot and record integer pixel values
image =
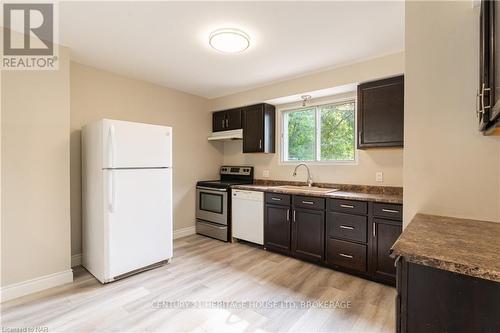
(347, 235)
(346, 254)
(346, 227)
(435, 300)
(308, 234)
(385, 234)
(277, 228)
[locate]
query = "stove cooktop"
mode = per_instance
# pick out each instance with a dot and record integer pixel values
(221, 183)
(230, 175)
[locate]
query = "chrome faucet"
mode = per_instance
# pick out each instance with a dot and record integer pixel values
(309, 178)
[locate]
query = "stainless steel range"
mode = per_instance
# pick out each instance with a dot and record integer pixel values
(213, 201)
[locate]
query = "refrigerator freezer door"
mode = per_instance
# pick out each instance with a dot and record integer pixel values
(138, 206)
(136, 145)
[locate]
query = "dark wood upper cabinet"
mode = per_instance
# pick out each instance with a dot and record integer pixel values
(258, 128)
(381, 113)
(488, 104)
(218, 121)
(233, 121)
(226, 120)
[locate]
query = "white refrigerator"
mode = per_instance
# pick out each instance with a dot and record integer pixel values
(126, 197)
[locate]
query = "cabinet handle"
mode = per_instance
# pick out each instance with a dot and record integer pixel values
(359, 135)
(223, 123)
(294, 216)
(390, 210)
(346, 227)
(374, 230)
(347, 206)
(396, 261)
(308, 202)
(227, 122)
(288, 214)
(346, 255)
(482, 107)
(260, 143)
(276, 199)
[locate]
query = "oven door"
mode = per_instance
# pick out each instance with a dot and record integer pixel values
(211, 204)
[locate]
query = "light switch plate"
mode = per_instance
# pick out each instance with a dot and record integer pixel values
(379, 176)
(265, 173)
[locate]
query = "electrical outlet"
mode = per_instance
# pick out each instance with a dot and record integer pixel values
(379, 176)
(265, 173)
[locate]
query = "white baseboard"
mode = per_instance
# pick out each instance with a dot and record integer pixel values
(37, 284)
(76, 260)
(184, 232)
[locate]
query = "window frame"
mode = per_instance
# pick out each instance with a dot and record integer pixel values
(285, 109)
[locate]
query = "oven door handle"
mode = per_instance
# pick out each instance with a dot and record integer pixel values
(211, 189)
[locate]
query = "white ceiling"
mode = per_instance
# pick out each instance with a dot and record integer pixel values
(167, 42)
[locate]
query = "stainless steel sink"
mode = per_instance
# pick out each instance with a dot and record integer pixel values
(305, 188)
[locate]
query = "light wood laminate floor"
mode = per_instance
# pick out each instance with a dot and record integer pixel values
(206, 270)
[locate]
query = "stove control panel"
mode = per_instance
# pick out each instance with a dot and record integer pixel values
(236, 170)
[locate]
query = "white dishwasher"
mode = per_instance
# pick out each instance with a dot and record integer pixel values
(248, 215)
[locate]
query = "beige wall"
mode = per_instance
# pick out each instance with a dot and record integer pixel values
(388, 65)
(35, 224)
(97, 94)
(449, 167)
(389, 161)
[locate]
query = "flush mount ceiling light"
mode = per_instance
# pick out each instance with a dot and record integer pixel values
(229, 40)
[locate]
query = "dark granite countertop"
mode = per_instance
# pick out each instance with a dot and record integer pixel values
(463, 246)
(385, 194)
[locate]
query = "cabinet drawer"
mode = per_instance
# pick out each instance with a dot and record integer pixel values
(278, 199)
(346, 226)
(346, 254)
(388, 210)
(348, 206)
(308, 202)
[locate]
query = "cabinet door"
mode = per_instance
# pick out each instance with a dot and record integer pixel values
(233, 119)
(219, 121)
(277, 228)
(384, 233)
(253, 129)
(308, 234)
(437, 300)
(381, 113)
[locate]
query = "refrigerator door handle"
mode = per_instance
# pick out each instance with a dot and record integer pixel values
(111, 146)
(111, 192)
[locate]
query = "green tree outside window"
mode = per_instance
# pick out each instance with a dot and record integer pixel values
(333, 125)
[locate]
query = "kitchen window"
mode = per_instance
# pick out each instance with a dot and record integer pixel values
(321, 133)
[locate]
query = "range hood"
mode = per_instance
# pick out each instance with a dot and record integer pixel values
(226, 135)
